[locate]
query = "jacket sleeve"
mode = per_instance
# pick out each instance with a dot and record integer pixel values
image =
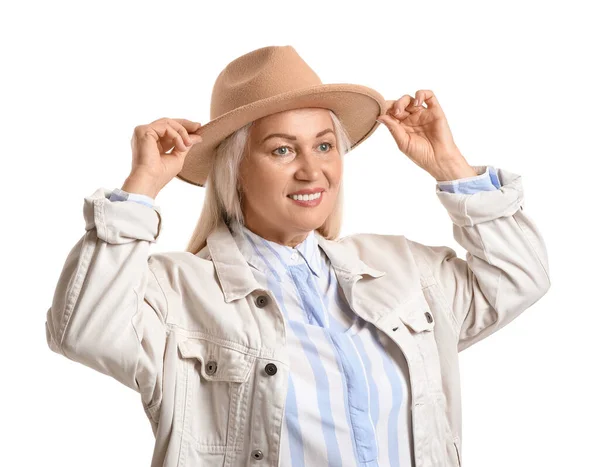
(108, 310)
(506, 268)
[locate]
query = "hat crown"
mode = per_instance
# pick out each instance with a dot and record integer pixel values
(260, 74)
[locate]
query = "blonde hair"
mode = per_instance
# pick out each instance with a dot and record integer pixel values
(223, 197)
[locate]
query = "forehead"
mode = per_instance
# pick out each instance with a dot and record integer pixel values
(299, 122)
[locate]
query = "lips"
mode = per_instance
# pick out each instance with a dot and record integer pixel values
(307, 191)
(309, 202)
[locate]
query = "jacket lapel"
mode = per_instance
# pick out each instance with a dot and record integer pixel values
(370, 300)
(233, 272)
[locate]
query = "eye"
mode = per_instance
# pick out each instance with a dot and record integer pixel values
(279, 153)
(288, 147)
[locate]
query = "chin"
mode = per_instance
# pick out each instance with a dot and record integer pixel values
(308, 224)
(305, 219)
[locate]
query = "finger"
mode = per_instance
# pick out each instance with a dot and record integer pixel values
(184, 127)
(396, 108)
(146, 138)
(181, 129)
(173, 138)
(389, 104)
(182, 121)
(189, 125)
(403, 107)
(165, 134)
(397, 131)
(428, 97)
(415, 104)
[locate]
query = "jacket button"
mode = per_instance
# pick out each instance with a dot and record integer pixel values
(211, 367)
(262, 301)
(271, 369)
(429, 317)
(257, 454)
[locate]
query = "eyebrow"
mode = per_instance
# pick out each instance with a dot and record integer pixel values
(283, 135)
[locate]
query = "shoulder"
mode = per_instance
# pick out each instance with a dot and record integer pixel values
(368, 243)
(171, 263)
(381, 249)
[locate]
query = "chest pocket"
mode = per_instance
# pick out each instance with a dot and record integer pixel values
(417, 316)
(215, 395)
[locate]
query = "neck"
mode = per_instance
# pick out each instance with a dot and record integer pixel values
(287, 238)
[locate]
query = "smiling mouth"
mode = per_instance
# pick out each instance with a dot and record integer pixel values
(307, 201)
(306, 197)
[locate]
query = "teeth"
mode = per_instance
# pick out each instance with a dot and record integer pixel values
(305, 197)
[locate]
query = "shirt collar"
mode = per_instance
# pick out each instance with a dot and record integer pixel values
(274, 258)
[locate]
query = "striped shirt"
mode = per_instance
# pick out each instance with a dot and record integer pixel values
(348, 400)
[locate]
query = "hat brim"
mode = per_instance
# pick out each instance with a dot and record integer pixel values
(355, 105)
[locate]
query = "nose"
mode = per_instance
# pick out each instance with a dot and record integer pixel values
(309, 167)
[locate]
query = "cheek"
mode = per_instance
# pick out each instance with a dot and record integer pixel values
(334, 172)
(265, 183)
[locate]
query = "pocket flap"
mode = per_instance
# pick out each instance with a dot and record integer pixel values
(218, 362)
(417, 315)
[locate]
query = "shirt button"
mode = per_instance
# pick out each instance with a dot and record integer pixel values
(257, 454)
(428, 316)
(271, 369)
(262, 301)
(294, 256)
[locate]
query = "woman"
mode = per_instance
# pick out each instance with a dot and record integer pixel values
(271, 341)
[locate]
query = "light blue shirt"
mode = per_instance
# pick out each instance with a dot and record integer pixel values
(348, 400)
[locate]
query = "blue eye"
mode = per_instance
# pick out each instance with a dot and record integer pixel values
(281, 147)
(288, 147)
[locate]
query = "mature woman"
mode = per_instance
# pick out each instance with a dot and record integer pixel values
(271, 341)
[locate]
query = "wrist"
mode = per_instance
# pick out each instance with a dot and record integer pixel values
(453, 171)
(140, 184)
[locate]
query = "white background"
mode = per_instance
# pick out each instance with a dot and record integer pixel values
(518, 83)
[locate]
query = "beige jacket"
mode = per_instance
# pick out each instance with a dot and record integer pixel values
(193, 333)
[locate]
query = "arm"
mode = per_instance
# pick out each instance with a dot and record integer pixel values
(506, 268)
(108, 310)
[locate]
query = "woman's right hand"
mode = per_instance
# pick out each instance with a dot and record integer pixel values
(152, 167)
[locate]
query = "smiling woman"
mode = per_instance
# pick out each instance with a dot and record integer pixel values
(275, 339)
(258, 166)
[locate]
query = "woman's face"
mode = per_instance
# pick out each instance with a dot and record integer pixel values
(288, 152)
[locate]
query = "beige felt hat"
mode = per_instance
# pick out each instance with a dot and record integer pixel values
(271, 80)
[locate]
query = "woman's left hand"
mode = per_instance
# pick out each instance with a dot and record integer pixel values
(423, 134)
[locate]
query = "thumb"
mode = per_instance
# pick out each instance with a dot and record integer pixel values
(397, 131)
(195, 138)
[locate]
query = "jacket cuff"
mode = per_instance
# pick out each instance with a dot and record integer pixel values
(120, 222)
(486, 181)
(121, 195)
(483, 206)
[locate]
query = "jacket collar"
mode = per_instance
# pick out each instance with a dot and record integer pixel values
(235, 274)
(273, 258)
